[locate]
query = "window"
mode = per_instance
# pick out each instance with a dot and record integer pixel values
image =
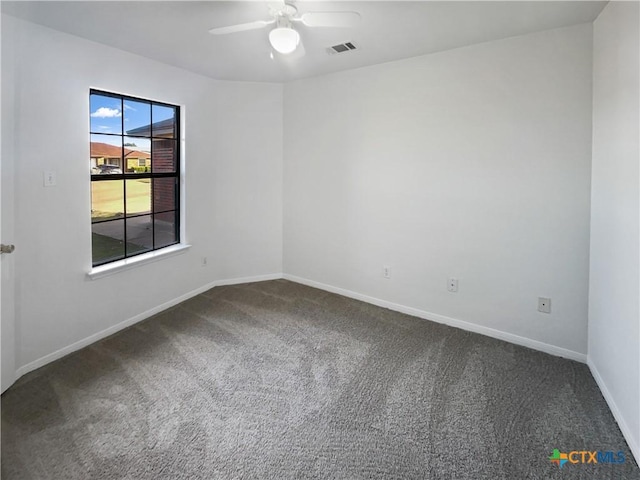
(135, 179)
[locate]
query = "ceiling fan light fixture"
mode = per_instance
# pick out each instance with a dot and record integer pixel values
(284, 39)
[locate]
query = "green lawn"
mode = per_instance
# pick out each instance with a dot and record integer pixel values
(107, 198)
(103, 216)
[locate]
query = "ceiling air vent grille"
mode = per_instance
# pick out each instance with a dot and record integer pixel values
(342, 48)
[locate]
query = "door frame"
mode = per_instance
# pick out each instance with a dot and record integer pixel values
(7, 225)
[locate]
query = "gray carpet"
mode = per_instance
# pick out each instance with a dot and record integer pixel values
(276, 380)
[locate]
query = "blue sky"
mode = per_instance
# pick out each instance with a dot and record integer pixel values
(107, 114)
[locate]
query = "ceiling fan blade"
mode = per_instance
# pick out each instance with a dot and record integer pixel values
(242, 27)
(330, 19)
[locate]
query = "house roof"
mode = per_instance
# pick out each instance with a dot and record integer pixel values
(99, 149)
(160, 129)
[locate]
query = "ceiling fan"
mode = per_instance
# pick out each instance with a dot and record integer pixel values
(283, 37)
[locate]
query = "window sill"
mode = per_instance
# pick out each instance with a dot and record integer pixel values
(138, 260)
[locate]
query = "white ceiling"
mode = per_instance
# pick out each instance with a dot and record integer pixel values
(176, 32)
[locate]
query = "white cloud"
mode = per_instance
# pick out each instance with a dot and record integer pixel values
(106, 112)
(128, 107)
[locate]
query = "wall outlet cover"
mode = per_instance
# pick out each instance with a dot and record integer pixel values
(544, 305)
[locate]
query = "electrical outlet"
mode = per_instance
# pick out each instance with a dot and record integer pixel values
(386, 272)
(204, 261)
(452, 285)
(544, 305)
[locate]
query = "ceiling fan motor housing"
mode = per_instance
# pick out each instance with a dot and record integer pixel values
(288, 10)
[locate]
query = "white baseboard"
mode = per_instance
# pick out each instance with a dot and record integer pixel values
(624, 428)
(471, 327)
(42, 361)
(256, 278)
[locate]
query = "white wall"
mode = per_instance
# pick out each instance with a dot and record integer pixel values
(472, 163)
(233, 184)
(614, 310)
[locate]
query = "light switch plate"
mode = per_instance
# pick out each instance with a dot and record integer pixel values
(49, 179)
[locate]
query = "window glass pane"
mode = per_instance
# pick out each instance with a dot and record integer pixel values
(107, 200)
(164, 121)
(139, 234)
(107, 241)
(137, 118)
(106, 154)
(163, 155)
(137, 154)
(164, 194)
(135, 179)
(165, 229)
(106, 114)
(138, 196)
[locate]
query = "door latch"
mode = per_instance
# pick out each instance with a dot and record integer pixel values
(7, 248)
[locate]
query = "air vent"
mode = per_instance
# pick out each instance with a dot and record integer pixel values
(342, 48)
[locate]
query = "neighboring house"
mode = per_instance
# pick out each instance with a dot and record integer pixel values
(163, 128)
(164, 151)
(164, 147)
(106, 154)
